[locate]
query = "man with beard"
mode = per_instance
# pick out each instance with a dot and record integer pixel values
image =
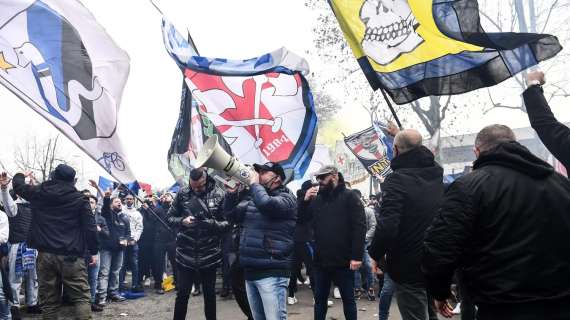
(196, 215)
(339, 225)
(131, 254)
(267, 217)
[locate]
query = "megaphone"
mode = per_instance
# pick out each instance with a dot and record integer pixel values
(215, 157)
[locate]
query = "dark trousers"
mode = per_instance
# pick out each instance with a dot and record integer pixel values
(414, 302)
(161, 251)
(302, 254)
(238, 288)
(343, 278)
(146, 255)
(57, 272)
(186, 277)
(227, 258)
(468, 311)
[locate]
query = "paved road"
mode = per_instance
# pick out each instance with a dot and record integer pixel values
(157, 307)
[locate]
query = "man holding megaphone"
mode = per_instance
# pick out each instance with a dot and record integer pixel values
(267, 217)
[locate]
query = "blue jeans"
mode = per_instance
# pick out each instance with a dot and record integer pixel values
(108, 281)
(343, 278)
(92, 275)
(268, 298)
(385, 297)
(131, 260)
(4, 305)
(366, 272)
(29, 277)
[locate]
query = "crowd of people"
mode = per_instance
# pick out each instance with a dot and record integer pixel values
(497, 234)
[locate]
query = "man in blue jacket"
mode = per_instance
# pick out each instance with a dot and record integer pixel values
(267, 218)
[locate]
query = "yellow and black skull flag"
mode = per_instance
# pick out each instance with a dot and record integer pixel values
(418, 48)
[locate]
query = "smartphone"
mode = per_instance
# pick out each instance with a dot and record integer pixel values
(228, 183)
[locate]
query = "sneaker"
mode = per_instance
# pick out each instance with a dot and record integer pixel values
(292, 300)
(371, 296)
(34, 309)
(117, 298)
(15, 313)
(307, 282)
(159, 291)
(330, 303)
(336, 293)
(357, 294)
(457, 309)
(95, 307)
(147, 282)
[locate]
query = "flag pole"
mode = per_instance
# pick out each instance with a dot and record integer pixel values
(391, 108)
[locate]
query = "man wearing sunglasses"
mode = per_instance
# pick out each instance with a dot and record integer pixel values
(267, 218)
(339, 226)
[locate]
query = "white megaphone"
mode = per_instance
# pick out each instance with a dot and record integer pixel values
(215, 157)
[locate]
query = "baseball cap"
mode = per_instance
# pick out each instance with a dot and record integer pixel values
(271, 166)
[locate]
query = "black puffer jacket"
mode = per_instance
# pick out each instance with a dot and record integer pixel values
(62, 222)
(198, 246)
(507, 226)
(411, 196)
(339, 226)
(268, 223)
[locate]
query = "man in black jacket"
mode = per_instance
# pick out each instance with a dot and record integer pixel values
(506, 227)
(196, 215)
(112, 250)
(63, 230)
(411, 196)
(339, 226)
(554, 135)
(267, 216)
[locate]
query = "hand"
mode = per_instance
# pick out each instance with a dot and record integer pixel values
(132, 243)
(145, 206)
(254, 178)
(4, 180)
(93, 184)
(311, 193)
(536, 76)
(355, 265)
(93, 260)
(108, 193)
(392, 128)
(444, 308)
(123, 242)
(375, 268)
(31, 178)
(99, 228)
(229, 187)
(188, 221)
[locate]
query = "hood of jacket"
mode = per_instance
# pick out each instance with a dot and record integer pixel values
(515, 156)
(59, 192)
(420, 157)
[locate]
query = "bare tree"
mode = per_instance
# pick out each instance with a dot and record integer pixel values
(545, 16)
(38, 156)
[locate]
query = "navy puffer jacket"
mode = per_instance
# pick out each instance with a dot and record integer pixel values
(268, 225)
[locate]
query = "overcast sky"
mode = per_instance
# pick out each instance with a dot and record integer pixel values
(150, 105)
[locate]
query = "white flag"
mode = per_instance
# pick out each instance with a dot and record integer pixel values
(61, 62)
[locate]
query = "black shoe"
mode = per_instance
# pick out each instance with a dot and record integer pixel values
(137, 289)
(95, 307)
(225, 293)
(159, 291)
(117, 298)
(34, 309)
(15, 313)
(371, 295)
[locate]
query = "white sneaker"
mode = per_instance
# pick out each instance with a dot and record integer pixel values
(457, 309)
(292, 300)
(299, 282)
(147, 282)
(336, 293)
(330, 303)
(307, 282)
